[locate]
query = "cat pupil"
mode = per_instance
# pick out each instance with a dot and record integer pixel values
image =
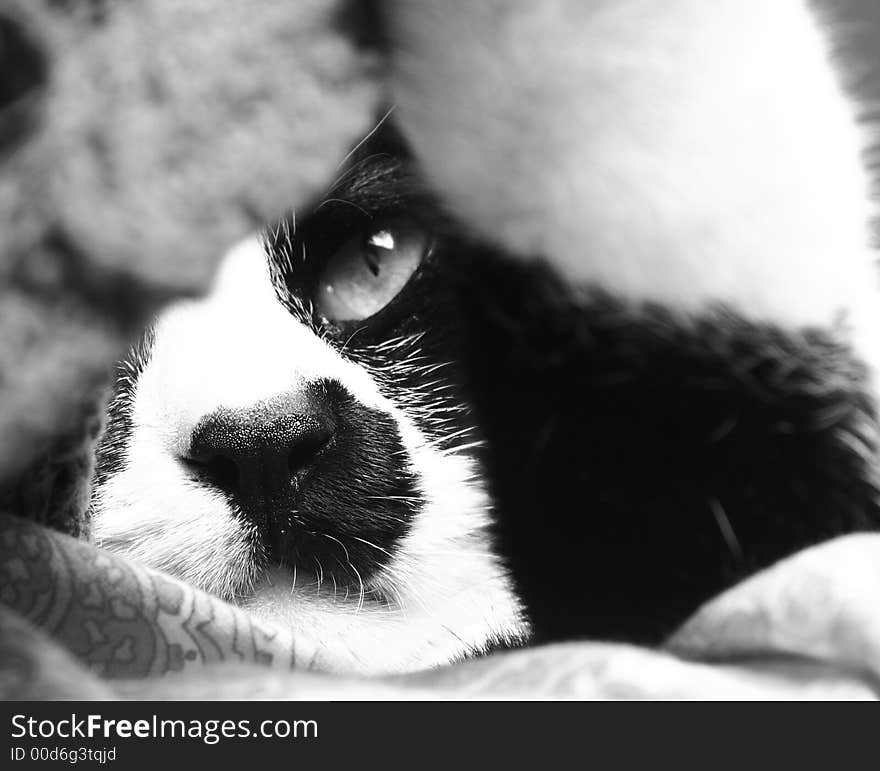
(371, 258)
(381, 239)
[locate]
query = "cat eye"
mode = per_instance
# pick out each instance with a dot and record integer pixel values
(369, 270)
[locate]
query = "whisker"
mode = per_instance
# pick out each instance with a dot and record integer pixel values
(342, 201)
(368, 136)
(374, 546)
(333, 538)
(726, 529)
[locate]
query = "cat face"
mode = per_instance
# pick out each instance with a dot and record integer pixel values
(626, 357)
(299, 441)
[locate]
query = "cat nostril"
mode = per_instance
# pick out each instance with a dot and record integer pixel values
(217, 470)
(24, 73)
(223, 472)
(304, 451)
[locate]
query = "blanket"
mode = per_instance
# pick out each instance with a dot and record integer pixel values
(806, 628)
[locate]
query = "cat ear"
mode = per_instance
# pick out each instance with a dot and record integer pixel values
(697, 153)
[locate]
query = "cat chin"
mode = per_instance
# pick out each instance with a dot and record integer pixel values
(367, 637)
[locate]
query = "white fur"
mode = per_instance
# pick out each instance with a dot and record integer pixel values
(685, 151)
(449, 594)
(445, 592)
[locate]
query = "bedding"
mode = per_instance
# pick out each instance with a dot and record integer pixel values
(804, 629)
(136, 143)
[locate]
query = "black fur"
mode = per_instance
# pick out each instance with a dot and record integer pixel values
(113, 446)
(642, 461)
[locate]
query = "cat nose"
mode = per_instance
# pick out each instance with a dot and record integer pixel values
(260, 455)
